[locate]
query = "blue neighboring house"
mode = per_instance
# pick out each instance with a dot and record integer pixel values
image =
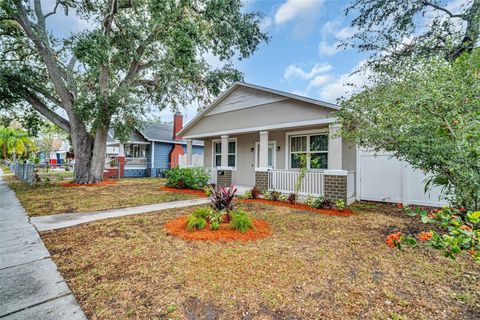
(153, 149)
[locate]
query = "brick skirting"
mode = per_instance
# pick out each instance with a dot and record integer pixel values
(335, 187)
(225, 179)
(261, 180)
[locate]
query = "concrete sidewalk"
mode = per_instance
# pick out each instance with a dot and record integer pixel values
(64, 220)
(30, 285)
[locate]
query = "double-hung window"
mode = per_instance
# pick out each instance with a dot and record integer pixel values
(232, 153)
(314, 145)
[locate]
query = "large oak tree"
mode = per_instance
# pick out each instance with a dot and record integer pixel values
(135, 54)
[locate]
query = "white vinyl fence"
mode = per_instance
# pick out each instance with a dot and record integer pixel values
(284, 181)
(197, 160)
(384, 178)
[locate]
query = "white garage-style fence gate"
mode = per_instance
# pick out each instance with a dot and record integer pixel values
(384, 178)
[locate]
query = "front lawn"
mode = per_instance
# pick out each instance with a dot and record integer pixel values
(53, 198)
(313, 266)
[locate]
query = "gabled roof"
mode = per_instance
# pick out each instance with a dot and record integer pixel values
(152, 131)
(237, 84)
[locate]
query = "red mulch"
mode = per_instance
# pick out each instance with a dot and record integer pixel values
(301, 206)
(97, 184)
(199, 193)
(178, 227)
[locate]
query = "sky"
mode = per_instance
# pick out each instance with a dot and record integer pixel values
(302, 56)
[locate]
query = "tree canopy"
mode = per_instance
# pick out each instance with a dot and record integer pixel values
(392, 30)
(134, 55)
(15, 142)
(428, 115)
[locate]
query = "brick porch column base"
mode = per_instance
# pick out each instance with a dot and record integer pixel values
(225, 179)
(335, 186)
(261, 180)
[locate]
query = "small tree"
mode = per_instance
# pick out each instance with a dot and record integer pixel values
(304, 159)
(15, 142)
(427, 115)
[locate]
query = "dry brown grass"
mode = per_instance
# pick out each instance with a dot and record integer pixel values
(52, 198)
(312, 267)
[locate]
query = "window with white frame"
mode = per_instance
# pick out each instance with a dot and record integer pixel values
(232, 153)
(315, 145)
(135, 150)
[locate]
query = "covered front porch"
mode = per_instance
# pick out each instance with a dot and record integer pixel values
(268, 159)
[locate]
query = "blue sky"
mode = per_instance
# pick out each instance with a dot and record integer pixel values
(302, 56)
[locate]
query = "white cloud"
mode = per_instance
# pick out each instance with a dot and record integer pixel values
(293, 9)
(332, 36)
(295, 71)
(345, 84)
(327, 49)
(319, 80)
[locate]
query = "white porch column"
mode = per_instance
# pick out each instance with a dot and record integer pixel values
(224, 157)
(189, 152)
(334, 147)
(263, 151)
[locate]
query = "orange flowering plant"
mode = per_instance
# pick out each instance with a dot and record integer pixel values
(397, 240)
(460, 230)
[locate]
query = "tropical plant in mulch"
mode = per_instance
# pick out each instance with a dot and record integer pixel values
(222, 210)
(457, 230)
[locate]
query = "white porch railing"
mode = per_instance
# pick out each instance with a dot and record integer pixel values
(284, 181)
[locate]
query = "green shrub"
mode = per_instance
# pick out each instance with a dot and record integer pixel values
(215, 225)
(203, 213)
(247, 195)
(267, 195)
(309, 201)
(195, 222)
(241, 221)
(191, 178)
(340, 204)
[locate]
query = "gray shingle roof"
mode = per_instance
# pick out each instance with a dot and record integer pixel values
(152, 131)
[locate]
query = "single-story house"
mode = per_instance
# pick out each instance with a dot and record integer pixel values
(256, 136)
(152, 149)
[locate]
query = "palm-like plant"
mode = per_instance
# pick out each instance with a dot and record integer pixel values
(15, 141)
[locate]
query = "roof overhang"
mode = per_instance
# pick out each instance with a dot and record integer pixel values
(287, 125)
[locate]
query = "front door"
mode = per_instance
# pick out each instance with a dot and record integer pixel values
(271, 154)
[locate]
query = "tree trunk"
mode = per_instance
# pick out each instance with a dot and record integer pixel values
(88, 152)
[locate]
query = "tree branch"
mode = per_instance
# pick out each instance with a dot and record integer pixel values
(54, 10)
(437, 7)
(51, 115)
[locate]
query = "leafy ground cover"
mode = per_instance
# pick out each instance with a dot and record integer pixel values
(312, 266)
(53, 198)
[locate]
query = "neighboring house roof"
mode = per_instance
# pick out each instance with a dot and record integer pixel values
(150, 131)
(280, 94)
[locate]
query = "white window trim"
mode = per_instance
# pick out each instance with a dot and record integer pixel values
(236, 152)
(274, 155)
(302, 133)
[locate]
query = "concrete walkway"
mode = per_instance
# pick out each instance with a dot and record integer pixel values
(30, 285)
(64, 220)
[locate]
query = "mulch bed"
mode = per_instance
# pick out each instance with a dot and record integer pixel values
(301, 206)
(199, 193)
(178, 227)
(97, 184)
